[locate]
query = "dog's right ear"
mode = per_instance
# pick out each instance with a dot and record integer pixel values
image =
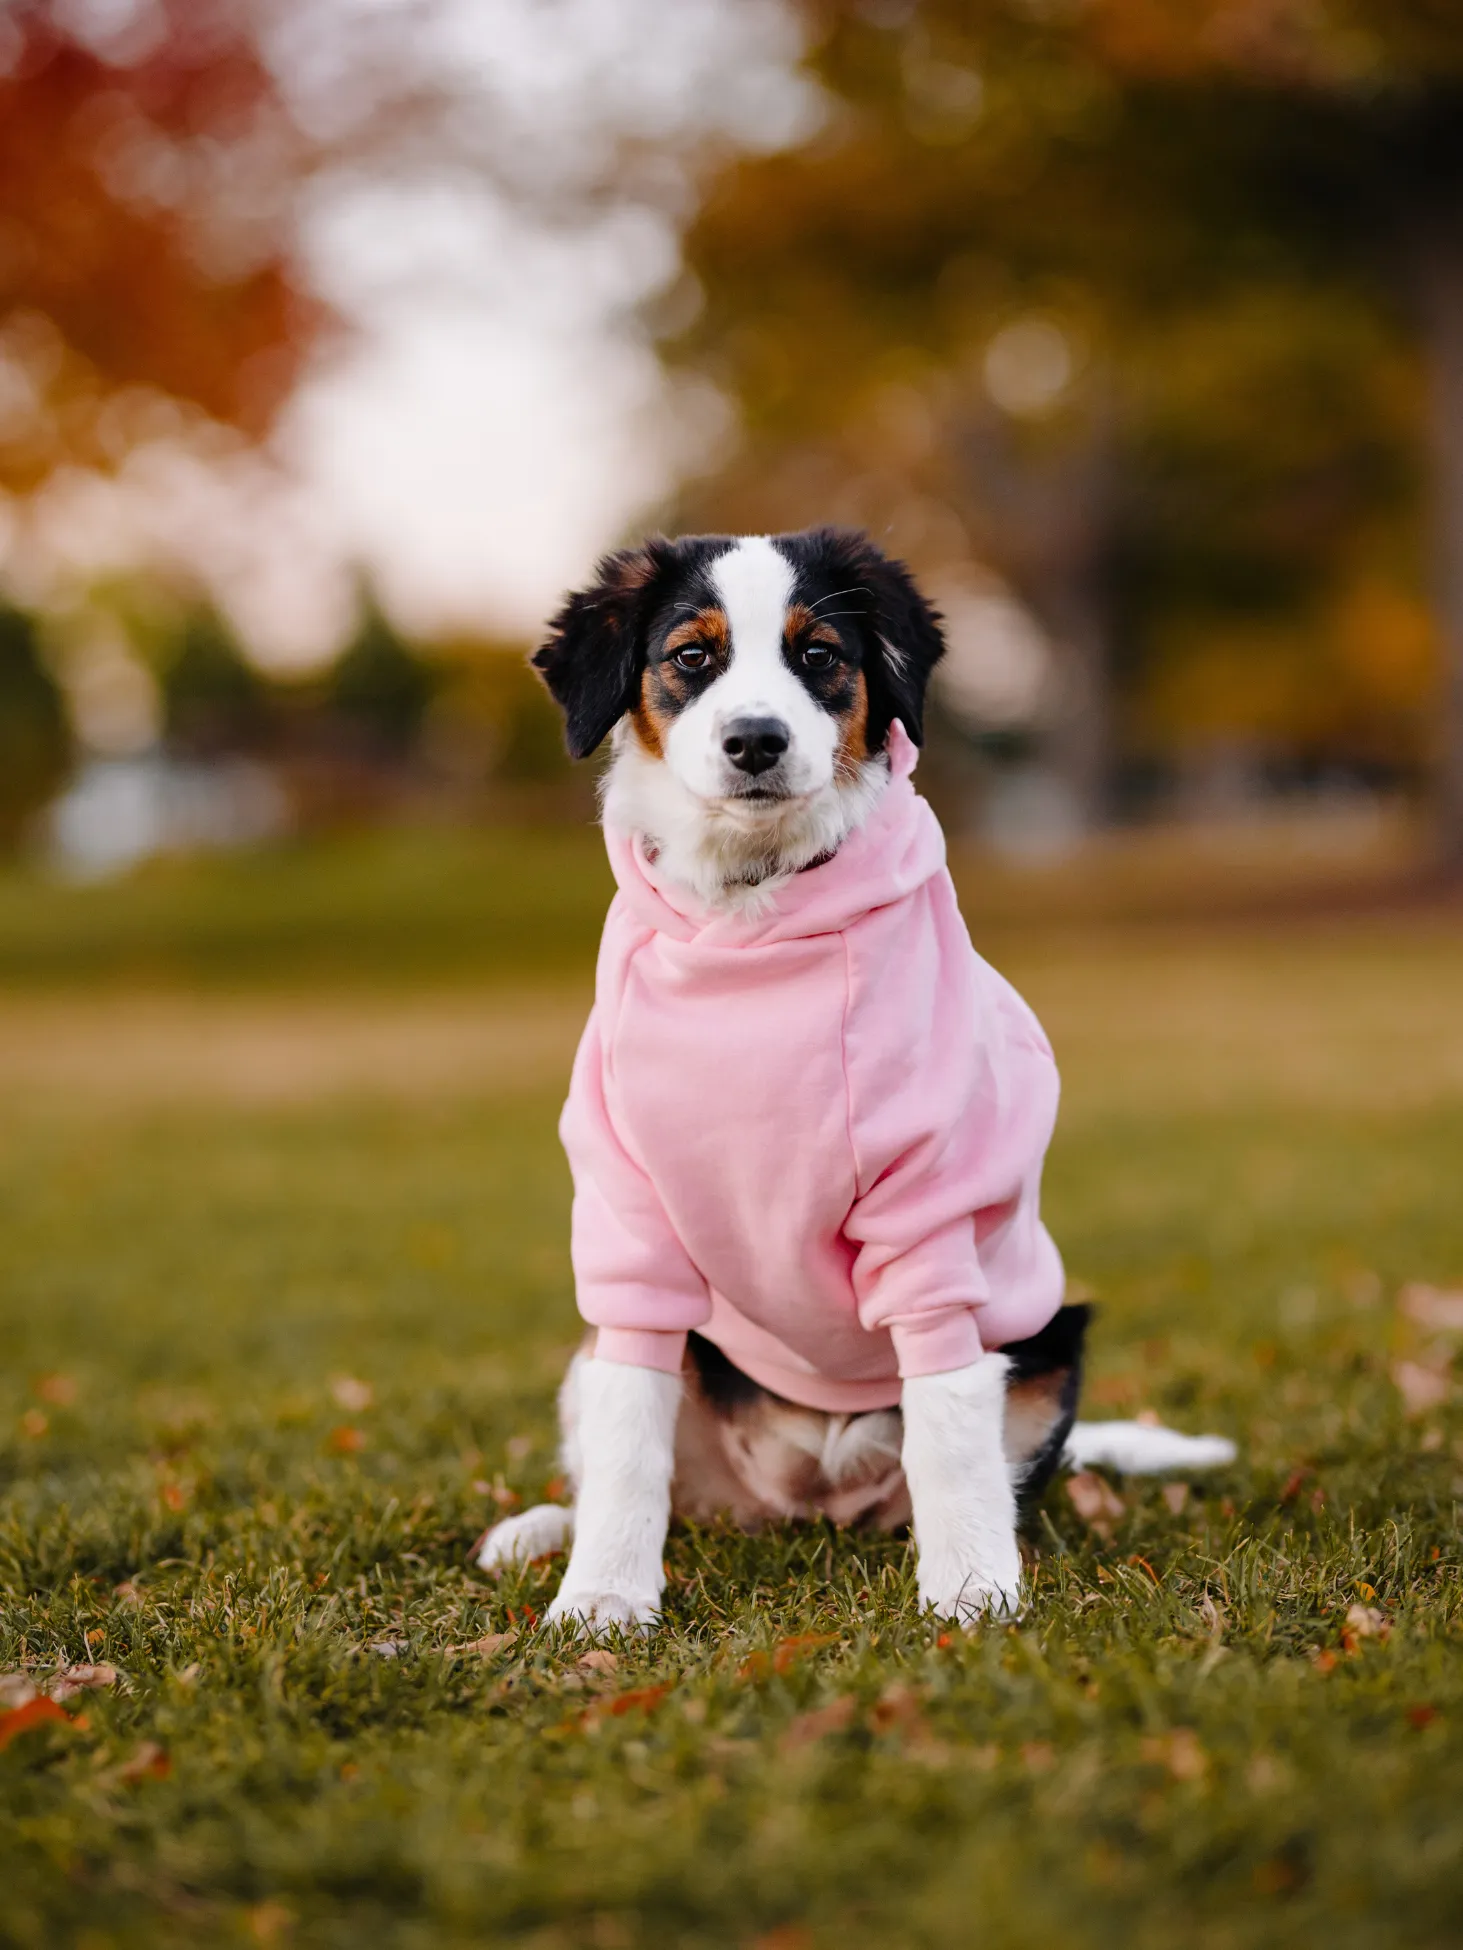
(594, 653)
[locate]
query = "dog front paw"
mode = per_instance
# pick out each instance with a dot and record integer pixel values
(599, 1608)
(969, 1594)
(518, 1540)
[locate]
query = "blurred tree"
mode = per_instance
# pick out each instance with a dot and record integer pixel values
(214, 700)
(1114, 296)
(35, 739)
(148, 181)
(381, 687)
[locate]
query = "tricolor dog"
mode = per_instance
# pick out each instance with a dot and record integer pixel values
(806, 1122)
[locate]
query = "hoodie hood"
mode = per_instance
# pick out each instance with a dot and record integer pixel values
(897, 849)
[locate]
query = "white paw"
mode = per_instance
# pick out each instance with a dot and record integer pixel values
(969, 1593)
(532, 1533)
(597, 1608)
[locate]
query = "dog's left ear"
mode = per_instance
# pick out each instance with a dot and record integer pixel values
(594, 653)
(902, 637)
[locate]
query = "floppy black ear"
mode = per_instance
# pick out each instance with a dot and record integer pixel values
(594, 652)
(902, 637)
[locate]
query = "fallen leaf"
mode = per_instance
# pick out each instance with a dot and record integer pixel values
(482, 1648)
(817, 1724)
(72, 1680)
(1038, 1756)
(352, 1394)
(1432, 1307)
(57, 1389)
(1421, 1716)
(33, 1424)
(1095, 1501)
(268, 1921)
(345, 1441)
(1180, 1752)
(387, 1648)
(127, 1593)
(643, 1699)
(784, 1655)
(517, 1447)
(1367, 1622)
(1295, 1482)
(1420, 1388)
(149, 1763)
(16, 1689)
(1324, 1659)
(34, 1713)
(786, 1936)
(1175, 1497)
(600, 1660)
(174, 1496)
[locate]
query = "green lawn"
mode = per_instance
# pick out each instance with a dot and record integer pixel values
(1182, 1742)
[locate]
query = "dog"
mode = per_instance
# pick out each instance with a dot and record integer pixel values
(807, 1122)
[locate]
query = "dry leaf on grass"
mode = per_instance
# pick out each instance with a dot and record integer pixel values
(1175, 1498)
(1179, 1751)
(817, 1724)
(784, 1655)
(57, 1389)
(1038, 1756)
(34, 1713)
(601, 1660)
(72, 1680)
(1432, 1307)
(352, 1394)
(149, 1763)
(1420, 1388)
(16, 1689)
(1365, 1622)
(482, 1648)
(345, 1441)
(1095, 1501)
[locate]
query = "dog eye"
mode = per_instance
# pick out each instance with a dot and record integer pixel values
(692, 657)
(817, 656)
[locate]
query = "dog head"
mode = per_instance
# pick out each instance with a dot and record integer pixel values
(751, 683)
(757, 668)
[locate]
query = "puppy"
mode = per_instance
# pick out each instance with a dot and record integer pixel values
(807, 1122)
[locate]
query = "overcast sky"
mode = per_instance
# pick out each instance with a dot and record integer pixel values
(495, 418)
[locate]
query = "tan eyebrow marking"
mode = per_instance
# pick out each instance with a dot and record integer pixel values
(705, 624)
(800, 618)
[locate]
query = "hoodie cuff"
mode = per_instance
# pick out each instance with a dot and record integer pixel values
(937, 1342)
(641, 1347)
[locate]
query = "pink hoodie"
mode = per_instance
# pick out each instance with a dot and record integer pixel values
(815, 1135)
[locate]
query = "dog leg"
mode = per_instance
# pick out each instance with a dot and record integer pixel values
(532, 1533)
(960, 1490)
(622, 1447)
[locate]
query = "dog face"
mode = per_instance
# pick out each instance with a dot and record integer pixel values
(760, 670)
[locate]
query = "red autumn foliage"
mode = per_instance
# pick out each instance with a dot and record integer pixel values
(146, 203)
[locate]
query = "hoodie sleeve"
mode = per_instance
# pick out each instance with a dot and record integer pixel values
(952, 1099)
(632, 1276)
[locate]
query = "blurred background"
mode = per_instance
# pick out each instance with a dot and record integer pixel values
(337, 337)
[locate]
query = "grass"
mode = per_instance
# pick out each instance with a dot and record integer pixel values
(1262, 1142)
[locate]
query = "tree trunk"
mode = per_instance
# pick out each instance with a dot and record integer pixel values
(1046, 522)
(1439, 258)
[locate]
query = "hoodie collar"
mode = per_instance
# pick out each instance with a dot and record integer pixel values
(898, 848)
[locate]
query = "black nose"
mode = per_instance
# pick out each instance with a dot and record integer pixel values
(755, 744)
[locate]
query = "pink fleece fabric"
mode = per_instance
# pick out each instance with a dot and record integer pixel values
(816, 1134)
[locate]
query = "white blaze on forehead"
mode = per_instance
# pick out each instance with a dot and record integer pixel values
(755, 583)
